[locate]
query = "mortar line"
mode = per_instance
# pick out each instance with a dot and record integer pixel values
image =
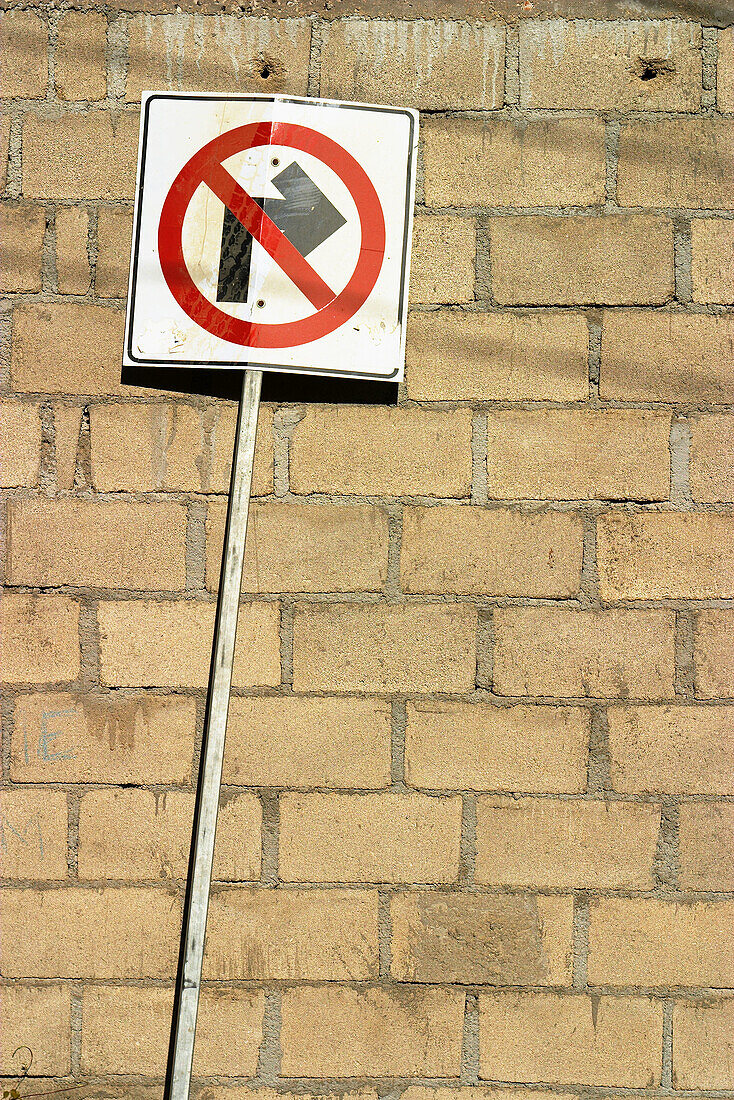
(666, 1075)
(384, 935)
(580, 942)
(470, 1068)
(398, 726)
(468, 841)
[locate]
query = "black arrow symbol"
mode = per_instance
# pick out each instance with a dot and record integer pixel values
(304, 215)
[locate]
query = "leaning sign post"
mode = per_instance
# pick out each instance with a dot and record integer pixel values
(270, 233)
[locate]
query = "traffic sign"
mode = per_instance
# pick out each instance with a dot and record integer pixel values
(272, 232)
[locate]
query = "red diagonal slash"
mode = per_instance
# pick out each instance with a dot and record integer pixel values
(266, 232)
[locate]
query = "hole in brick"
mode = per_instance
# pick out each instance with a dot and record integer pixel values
(648, 68)
(265, 70)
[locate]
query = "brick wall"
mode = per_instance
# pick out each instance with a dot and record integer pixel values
(478, 816)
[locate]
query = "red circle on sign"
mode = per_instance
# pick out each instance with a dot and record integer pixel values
(291, 333)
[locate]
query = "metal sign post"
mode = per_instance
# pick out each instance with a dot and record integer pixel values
(188, 981)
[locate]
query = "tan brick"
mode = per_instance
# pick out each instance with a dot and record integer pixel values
(22, 229)
(559, 651)
(496, 552)
(672, 749)
(592, 845)
(384, 648)
(574, 1038)
(605, 66)
(443, 258)
(173, 446)
(387, 837)
(80, 70)
(617, 259)
(474, 1092)
(713, 654)
(145, 643)
(706, 843)
(382, 450)
(80, 156)
(712, 262)
(20, 444)
(114, 233)
(110, 544)
(658, 555)
(712, 459)
(40, 638)
(415, 62)
(66, 348)
(476, 746)
(289, 741)
(569, 454)
(692, 361)
(646, 941)
(508, 162)
(725, 70)
(703, 1044)
(223, 53)
(67, 426)
(684, 162)
(72, 259)
(228, 1034)
(73, 932)
(5, 123)
(39, 1018)
(245, 1092)
(481, 938)
(113, 738)
(24, 50)
(334, 1031)
(319, 935)
(34, 830)
(295, 547)
(455, 356)
(134, 834)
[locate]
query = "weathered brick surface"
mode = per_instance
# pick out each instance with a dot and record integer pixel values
(199, 53)
(295, 547)
(490, 551)
(20, 444)
(693, 354)
(725, 71)
(38, 1017)
(538, 842)
(481, 939)
(144, 835)
(414, 62)
(72, 257)
(22, 229)
(712, 260)
(657, 555)
(324, 935)
(703, 1050)
(122, 932)
(386, 837)
(5, 121)
(24, 50)
(137, 739)
(66, 348)
(384, 648)
(80, 64)
(558, 652)
(706, 832)
(456, 356)
(713, 657)
(55, 146)
(40, 638)
(443, 259)
(680, 162)
(712, 459)
(34, 826)
(308, 742)
(111, 544)
(672, 749)
(146, 1014)
(617, 259)
(474, 746)
(382, 450)
(645, 941)
(619, 454)
(570, 1038)
(608, 65)
(503, 162)
(146, 643)
(114, 232)
(339, 1032)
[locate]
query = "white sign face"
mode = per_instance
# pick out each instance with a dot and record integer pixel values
(272, 231)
